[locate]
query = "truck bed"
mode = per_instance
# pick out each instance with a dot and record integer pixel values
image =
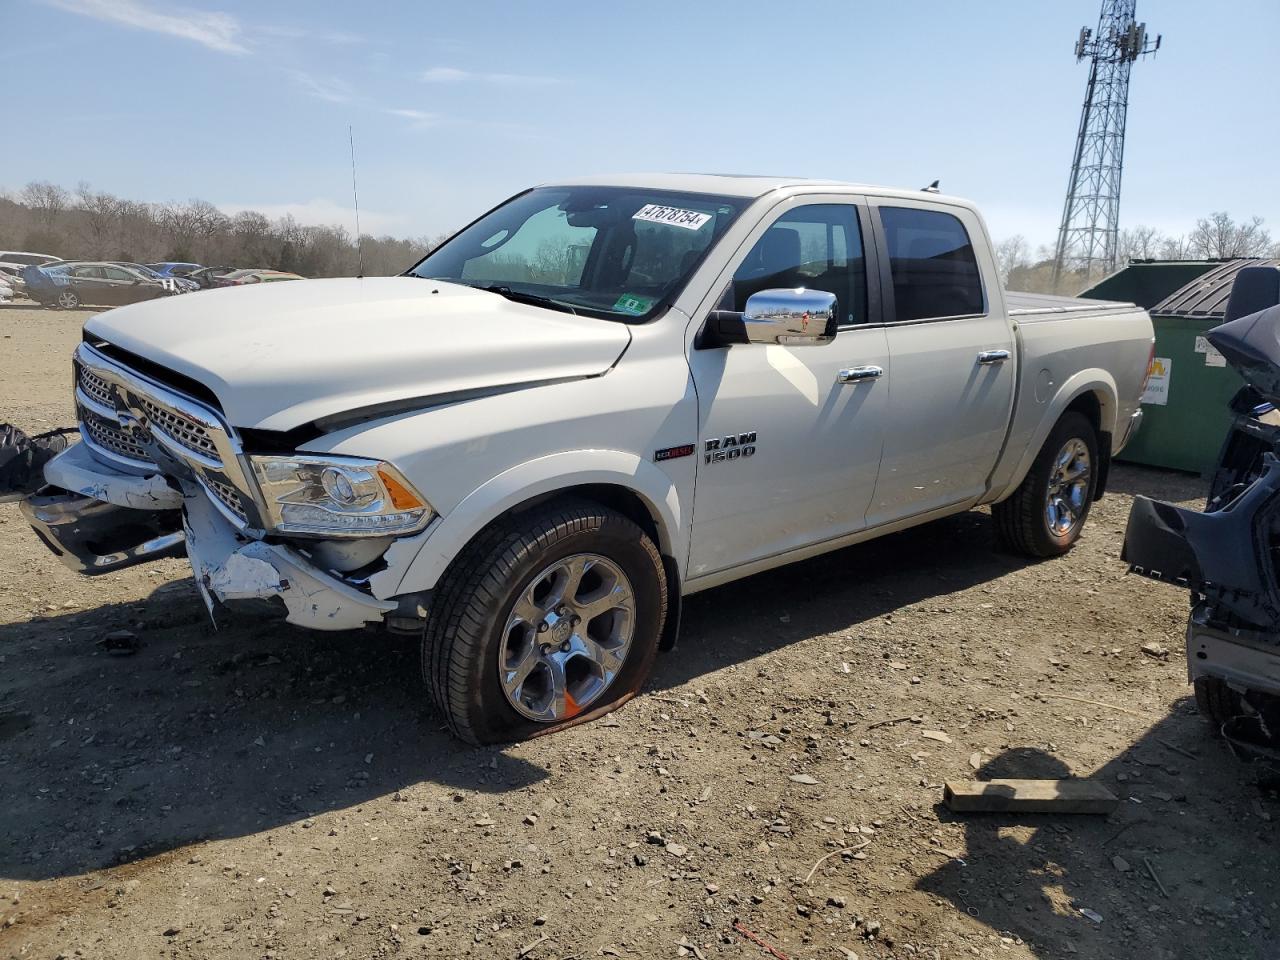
(1031, 306)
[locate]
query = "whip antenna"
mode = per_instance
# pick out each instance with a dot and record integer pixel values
(355, 201)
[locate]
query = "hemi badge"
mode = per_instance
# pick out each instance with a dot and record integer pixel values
(671, 453)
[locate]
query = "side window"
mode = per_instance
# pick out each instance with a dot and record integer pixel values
(934, 269)
(115, 273)
(87, 273)
(817, 246)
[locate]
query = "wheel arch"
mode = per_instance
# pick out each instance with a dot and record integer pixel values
(622, 481)
(1089, 392)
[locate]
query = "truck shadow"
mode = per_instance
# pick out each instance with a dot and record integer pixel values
(833, 592)
(1031, 876)
(1131, 479)
(204, 734)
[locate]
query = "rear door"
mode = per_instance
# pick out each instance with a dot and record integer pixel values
(953, 356)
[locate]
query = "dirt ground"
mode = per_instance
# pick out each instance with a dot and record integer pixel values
(258, 791)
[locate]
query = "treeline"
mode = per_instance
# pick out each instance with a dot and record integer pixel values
(1215, 237)
(84, 224)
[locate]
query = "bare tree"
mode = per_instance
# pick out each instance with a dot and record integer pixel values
(1218, 236)
(99, 220)
(1140, 243)
(1176, 248)
(1011, 253)
(46, 200)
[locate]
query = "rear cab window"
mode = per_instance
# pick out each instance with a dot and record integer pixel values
(932, 263)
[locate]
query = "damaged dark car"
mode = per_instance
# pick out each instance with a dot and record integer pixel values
(1228, 556)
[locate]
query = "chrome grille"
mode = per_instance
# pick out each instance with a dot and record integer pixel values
(177, 427)
(94, 386)
(189, 438)
(109, 435)
(228, 494)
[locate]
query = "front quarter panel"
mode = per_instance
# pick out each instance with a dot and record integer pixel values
(476, 459)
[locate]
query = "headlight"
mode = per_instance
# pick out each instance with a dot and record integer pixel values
(338, 497)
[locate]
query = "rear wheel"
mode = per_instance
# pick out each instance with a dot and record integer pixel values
(548, 616)
(1046, 514)
(68, 300)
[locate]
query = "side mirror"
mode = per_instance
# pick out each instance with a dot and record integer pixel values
(793, 318)
(789, 318)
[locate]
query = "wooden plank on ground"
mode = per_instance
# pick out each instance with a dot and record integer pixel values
(1028, 796)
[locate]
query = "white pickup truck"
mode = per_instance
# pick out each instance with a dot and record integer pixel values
(599, 397)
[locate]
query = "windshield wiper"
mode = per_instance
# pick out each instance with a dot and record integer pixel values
(515, 296)
(519, 296)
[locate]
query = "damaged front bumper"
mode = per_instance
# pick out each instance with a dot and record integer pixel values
(230, 569)
(97, 520)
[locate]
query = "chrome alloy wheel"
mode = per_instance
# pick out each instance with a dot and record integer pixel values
(567, 637)
(1068, 488)
(68, 300)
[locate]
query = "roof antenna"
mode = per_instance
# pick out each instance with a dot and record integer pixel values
(355, 200)
(931, 188)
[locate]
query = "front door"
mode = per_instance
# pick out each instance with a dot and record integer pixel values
(953, 358)
(788, 449)
(119, 286)
(90, 285)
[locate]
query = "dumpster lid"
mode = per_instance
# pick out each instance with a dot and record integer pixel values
(1206, 296)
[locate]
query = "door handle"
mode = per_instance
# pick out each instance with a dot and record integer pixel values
(988, 357)
(858, 374)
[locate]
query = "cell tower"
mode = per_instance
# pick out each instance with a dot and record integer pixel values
(1087, 239)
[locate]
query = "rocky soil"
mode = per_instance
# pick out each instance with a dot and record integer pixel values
(258, 791)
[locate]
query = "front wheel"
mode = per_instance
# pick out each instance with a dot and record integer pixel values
(68, 300)
(546, 618)
(1046, 514)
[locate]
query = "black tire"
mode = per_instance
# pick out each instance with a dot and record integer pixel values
(1218, 703)
(470, 608)
(67, 300)
(1022, 525)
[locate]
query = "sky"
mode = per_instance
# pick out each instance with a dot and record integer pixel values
(456, 106)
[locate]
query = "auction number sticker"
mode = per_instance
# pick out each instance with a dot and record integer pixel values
(674, 216)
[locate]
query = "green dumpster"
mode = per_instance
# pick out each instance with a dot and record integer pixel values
(1184, 410)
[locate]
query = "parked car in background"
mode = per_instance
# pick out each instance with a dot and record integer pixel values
(11, 277)
(238, 278)
(173, 269)
(179, 284)
(13, 262)
(206, 277)
(80, 283)
(22, 258)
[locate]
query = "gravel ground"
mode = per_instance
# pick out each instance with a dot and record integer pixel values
(258, 791)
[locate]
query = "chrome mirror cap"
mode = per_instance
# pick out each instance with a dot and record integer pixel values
(791, 317)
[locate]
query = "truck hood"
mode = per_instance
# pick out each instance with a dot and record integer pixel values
(281, 355)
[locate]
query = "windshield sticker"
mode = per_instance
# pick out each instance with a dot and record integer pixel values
(633, 304)
(675, 216)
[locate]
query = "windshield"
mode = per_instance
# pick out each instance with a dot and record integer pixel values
(616, 252)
